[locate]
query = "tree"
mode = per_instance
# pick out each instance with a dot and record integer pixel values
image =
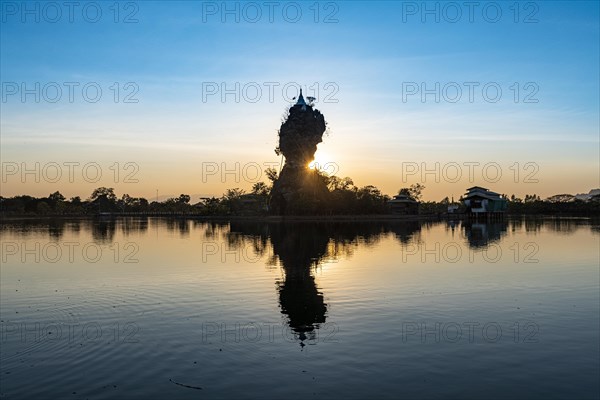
(371, 200)
(104, 200)
(56, 197)
(102, 192)
(56, 202)
(415, 191)
(233, 194)
(183, 198)
(260, 189)
(335, 183)
(232, 199)
(127, 200)
(211, 206)
(272, 174)
(43, 208)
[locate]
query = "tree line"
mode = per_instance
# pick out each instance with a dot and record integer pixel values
(342, 197)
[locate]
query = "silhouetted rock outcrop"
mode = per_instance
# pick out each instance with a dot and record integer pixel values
(297, 186)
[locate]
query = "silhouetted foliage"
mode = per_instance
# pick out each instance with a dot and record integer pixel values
(415, 191)
(340, 197)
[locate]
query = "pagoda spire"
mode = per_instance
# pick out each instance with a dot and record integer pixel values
(300, 101)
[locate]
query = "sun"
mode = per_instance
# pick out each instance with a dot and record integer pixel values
(323, 161)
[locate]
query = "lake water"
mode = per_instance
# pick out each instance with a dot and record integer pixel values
(157, 308)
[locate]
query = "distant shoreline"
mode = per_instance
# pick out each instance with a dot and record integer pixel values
(258, 218)
(288, 218)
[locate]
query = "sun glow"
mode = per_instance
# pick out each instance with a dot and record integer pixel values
(323, 161)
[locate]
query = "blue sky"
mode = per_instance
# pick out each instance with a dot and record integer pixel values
(367, 57)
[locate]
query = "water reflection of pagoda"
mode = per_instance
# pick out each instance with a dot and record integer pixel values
(300, 248)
